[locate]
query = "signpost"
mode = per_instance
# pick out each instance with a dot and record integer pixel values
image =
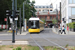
(5, 19)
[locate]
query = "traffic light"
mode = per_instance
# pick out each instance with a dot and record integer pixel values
(16, 14)
(62, 19)
(8, 13)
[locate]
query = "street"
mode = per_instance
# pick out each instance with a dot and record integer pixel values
(44, 38)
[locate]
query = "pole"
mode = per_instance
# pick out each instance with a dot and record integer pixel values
(57, 15)
(13, 14)
(60, 11)
(23, 17)
(16, 10)
(20, 20)
(7, 23)
(33, 11)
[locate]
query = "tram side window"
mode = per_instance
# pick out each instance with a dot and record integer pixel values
(37, 24)
(29, 24)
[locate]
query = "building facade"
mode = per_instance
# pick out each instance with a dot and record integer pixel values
(67, 11)
(46, 13)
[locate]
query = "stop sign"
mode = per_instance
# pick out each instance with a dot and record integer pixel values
(5, 19)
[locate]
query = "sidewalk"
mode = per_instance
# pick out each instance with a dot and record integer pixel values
(10, 33)
(55, 30)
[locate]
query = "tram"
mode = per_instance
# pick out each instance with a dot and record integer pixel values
(35, 25)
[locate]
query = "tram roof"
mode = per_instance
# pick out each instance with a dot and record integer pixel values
(34, 19)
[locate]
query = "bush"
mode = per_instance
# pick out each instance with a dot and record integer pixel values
(71, 25)
(18, 48)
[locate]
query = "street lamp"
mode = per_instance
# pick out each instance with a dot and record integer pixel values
(33, 1)
(24, 16)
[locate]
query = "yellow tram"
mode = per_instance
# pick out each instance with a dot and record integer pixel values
(35, 25)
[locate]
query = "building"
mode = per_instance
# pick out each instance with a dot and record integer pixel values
(47, 13)
(44, 8)
(67, 11)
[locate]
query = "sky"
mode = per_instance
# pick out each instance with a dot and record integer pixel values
(48, 2)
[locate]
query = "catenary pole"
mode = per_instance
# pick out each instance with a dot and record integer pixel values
(13, 29)
(16, 10)
(20, 20)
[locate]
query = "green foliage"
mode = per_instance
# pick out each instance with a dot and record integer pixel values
(71, 25)
(7, 5)
(4, 5)
(54, 21)
(29, 45)
(43, 20)
(25, 49)
(13, 49)
(18, 48)
(66, 45)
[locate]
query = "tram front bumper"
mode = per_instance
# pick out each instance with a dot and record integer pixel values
(34, 30)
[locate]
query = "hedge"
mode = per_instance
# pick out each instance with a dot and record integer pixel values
(71, 25)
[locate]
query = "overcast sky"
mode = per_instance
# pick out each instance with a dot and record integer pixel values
(48, 2)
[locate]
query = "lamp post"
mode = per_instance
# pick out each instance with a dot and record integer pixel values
(16, 10)
(24, 16)
(33, 6)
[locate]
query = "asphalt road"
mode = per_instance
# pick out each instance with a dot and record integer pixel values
(44, 38)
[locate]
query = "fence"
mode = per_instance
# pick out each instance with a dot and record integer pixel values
(3, 26)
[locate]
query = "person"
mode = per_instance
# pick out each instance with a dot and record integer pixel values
(59, 30)
(63, 30)
(67, 28)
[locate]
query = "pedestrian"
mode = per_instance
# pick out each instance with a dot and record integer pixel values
(59, 30)
(63, 30)
(67, 28)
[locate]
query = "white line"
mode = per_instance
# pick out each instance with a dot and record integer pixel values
(36, 43)
(56, 44)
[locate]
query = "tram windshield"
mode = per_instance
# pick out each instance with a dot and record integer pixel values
(33, 24)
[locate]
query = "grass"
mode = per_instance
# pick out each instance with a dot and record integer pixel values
(19, 47)
(52, 48)
(66, 45)
(29, 47)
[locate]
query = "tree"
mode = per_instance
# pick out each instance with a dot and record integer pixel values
(4, 5)
(43, 20)
(29, 8)
(54, 21)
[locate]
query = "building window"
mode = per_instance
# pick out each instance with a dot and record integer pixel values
(39, 6)
(40, 17)
(35, 6)
(73, 11)
(47, 7)
(71, 1)
(43, 6)
(50, 10)
(47, 10)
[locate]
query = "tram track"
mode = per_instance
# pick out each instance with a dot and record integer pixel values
(41, 48)
(53, 42)
(46, 39)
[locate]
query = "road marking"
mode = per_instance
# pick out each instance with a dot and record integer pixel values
(21, 42)
(56, 44)
(36, 43)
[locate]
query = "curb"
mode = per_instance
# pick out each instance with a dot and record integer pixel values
(23, 33)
